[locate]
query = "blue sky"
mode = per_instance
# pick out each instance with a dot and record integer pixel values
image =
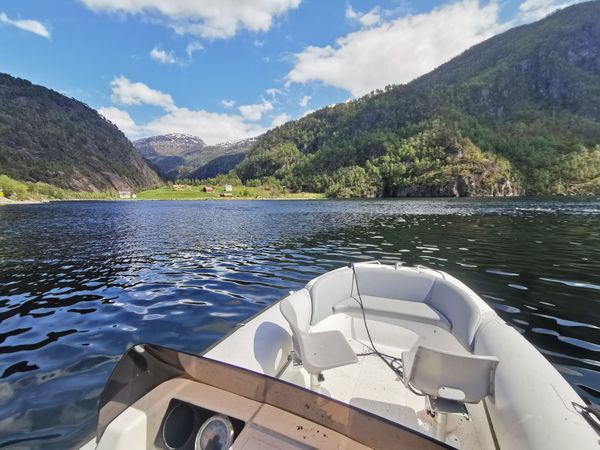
(228, 69)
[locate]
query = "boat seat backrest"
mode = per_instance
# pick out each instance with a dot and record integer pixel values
(470, 378)
(460, 306)
(327, 291)
(296, 311)
(296, 308)
(402, 284)
(375, 281)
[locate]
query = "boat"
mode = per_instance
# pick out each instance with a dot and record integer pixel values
(368, 355)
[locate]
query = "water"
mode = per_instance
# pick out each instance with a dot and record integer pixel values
(80, 282)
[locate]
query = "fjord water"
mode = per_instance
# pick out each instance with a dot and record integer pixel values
(80, 282)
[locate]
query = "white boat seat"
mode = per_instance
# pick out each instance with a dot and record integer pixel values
(398, 309)
(317, 351)
(325, 350)
(447, 375)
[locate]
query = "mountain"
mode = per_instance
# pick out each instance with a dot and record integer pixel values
(518, 113)
(168, 153)
(45, 136)
(220, 158)
(184, 156)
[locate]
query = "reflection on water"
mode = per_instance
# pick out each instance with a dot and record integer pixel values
(81, 282)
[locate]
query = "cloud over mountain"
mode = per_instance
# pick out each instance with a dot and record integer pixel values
(214, 127)
(398, 50)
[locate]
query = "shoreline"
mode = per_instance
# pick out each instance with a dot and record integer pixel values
(6, 201)
(228, 199)
(57, 200)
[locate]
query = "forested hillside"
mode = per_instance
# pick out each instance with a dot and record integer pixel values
(518, 113)
(47, 137)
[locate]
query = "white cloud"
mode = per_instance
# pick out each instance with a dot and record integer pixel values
(227, 103)
(398, 50)
(304, 101)
(350, 13)
(193, 47)
(206, 18)
(280, 119)
(162, 56)
(212, 127)
(273, 92)
(33, 26)
(255, 112)
(259, 43)
(367, 19)
(531, 10)
(129, 93)
(121, 119)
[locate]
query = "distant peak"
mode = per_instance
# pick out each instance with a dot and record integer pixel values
(238, 142)
(172, 137)
(182, 136)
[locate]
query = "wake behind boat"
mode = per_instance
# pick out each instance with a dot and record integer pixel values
(369, 355)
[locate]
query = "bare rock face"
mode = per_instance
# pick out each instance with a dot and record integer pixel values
(474, 186)
(472, 173)
(469, 186)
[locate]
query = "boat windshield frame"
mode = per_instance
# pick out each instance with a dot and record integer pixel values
(145, 366)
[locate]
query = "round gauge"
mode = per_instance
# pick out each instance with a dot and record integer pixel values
(215, 434)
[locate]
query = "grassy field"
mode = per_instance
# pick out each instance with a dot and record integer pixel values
(25, 191)
(239, 193)
(22, 191)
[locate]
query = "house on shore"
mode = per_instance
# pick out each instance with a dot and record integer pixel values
(124, 194)
(228, 188)
(207, 189)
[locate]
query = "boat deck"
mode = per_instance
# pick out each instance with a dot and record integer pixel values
(373, 386)
(457, 343)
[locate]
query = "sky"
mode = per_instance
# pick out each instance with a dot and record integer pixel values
(225, 70)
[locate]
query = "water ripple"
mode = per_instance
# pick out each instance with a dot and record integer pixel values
(81, 282)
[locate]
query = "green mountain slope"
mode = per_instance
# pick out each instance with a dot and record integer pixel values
(45, 136)
(222, 161)
(519, 112)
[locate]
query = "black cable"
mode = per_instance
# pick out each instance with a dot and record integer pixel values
(393, 359)
(397, 371)
(373, 352)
